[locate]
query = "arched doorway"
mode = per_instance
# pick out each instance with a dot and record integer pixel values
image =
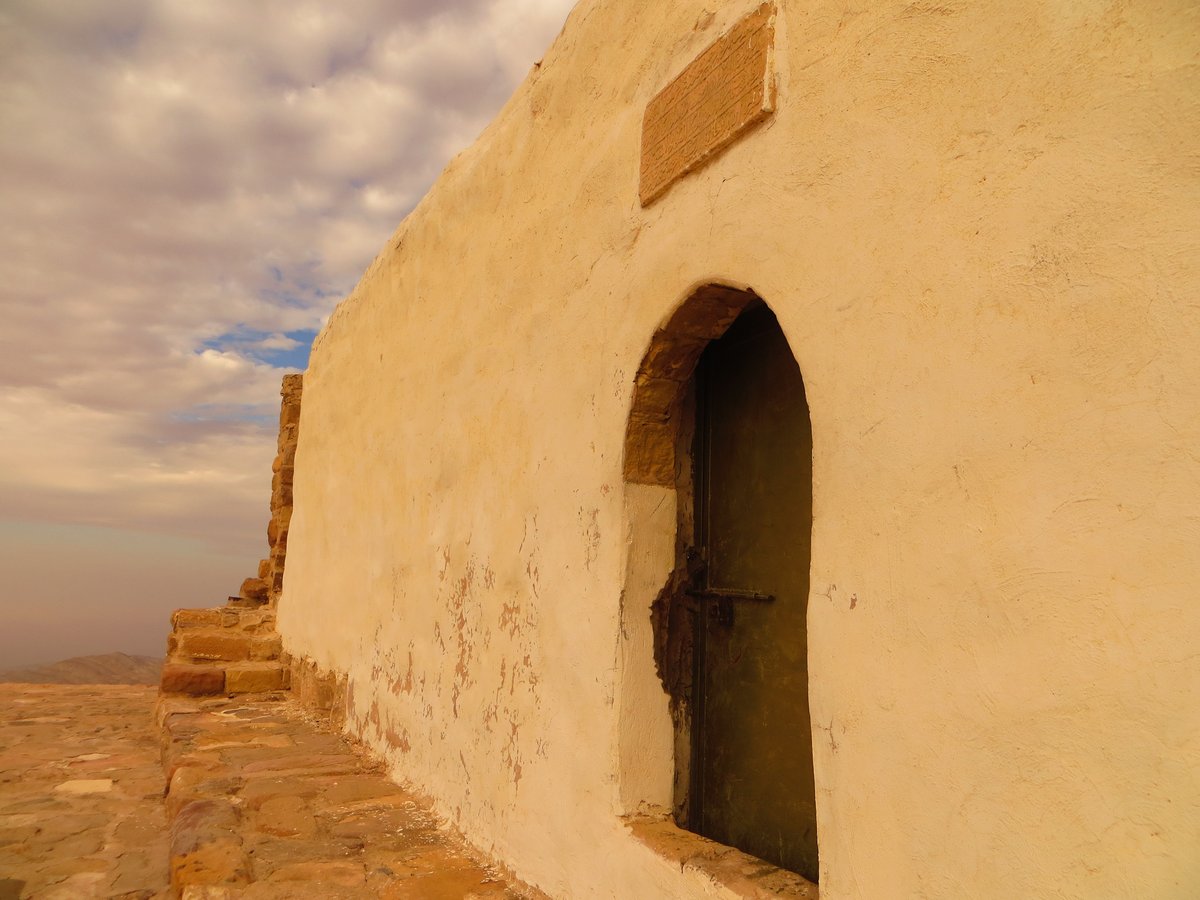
(720, 414)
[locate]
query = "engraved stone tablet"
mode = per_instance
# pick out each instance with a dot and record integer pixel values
(722, 94)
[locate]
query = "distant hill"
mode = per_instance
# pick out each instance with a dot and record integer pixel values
(108, 668)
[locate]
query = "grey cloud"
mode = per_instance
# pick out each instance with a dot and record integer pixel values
(173, 172)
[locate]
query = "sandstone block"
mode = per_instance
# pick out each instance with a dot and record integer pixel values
(282, 518)
(281, 493)
(167, 706)
(85, 786)
(444, 883)
(190, 783)
(650, 453)
(197, 618)
(217, 646)
(301, 763)
(257, 620)
(287, 816)
(264, 568)
(287, 439)
(266, 648)
(710, 312)
(254, 589)
(253, 679)
(672, 356)
(228, 646)
(291, 387)
(289, 414)
(341, 872)
(209, 892)
(197, 680)
(205, 847)
(655, 399)
(287, 453)
(356, 788)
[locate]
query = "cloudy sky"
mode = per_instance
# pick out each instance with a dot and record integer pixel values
(186, 191)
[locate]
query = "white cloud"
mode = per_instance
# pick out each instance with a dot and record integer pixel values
(187, 186)
(277, 342)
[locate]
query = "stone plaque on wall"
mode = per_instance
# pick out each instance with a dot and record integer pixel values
(721, 95)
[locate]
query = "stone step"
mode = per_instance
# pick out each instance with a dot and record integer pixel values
(208, 644)
(255, 677)
(209, 679)
(256, 620)
(196, 679)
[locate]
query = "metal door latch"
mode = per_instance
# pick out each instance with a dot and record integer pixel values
(721, 612)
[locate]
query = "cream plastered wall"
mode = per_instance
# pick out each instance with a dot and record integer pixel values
(978, 226)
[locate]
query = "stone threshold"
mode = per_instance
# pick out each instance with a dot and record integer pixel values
(741, 874)
(265, 801)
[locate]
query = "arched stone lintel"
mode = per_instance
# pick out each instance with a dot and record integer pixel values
(668, 364)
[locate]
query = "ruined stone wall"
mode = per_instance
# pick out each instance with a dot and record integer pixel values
(976, 225)
(267, 586)
(282, 472)
(235, 648)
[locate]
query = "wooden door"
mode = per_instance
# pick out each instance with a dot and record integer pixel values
(752, 771)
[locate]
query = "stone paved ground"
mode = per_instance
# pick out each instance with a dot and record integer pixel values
(81, 785)
(266, 802)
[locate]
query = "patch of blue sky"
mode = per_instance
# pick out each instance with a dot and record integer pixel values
(301, 285)
(299, 295)
(295, 357)
(283, 350)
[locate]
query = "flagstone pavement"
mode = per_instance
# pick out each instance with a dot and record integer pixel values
(263, 802)
(81, 793)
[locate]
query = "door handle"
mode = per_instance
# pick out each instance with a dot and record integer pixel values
(730, 594)
(721, 612)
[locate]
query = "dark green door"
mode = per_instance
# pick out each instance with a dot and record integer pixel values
(753, 770)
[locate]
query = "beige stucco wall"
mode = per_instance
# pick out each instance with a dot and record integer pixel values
(979, 226)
